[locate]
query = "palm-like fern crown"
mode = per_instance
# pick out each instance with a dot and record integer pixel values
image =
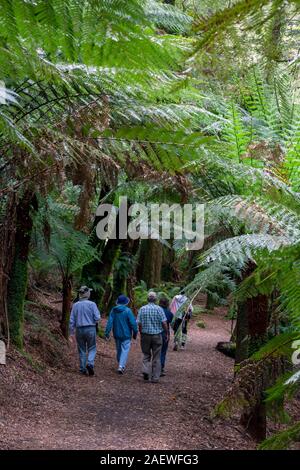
(106, 52)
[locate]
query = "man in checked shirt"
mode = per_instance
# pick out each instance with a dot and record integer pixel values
(152, 322)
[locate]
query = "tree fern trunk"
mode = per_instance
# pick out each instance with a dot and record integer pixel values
(66, 306)
(17, 286)
(251, 330)
(210, 303)
(257, 318)
(242, 334)
(7, 244)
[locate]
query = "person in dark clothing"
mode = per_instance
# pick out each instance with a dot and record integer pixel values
(123, 323)
(164, 304)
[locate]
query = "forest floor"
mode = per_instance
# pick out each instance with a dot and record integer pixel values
(58, 409)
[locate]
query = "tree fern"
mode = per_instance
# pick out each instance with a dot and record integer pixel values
(235, 134)
(283, 439)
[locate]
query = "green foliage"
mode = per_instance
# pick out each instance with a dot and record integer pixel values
(283, 439)
(168, 17)
(101, 332)
(198, 310)
(166, 290)
(67, 249)
(235, 134)
(280, 345)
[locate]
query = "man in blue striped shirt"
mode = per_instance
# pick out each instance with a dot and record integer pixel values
(152, 322)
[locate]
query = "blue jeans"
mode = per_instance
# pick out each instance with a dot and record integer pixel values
(123, 348)
(86, 342)
(164, 349)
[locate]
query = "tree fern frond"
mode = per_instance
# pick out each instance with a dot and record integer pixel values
(167, 17)
(283, 439)
(262, 215)
(243, 248)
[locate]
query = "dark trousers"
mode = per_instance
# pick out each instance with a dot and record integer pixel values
(164, 350)
(183, 336)
(151, 348)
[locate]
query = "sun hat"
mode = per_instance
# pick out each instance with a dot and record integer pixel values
(123, 300)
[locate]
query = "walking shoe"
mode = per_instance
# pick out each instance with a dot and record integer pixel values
(146, 376)
(162, 374)
(175, 347)
(84, 372)
(182, 347)
(90, 370)
(155, 381)
(121, 370)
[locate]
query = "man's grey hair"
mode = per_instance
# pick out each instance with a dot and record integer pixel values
(152, 297)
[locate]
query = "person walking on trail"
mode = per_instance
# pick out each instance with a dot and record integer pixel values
(152, 322)
(182, 310)
(84, 321)
(123, 324)
(164, 304)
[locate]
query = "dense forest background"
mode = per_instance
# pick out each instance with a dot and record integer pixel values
(171, 101)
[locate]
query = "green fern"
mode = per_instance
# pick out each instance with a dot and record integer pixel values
(283, 439)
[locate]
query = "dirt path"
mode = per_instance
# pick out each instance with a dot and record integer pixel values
(62, 410)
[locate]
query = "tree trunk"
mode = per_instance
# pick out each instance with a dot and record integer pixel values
(150, 262)
(18, 277)
(131, 282)
(7, 244)
(242, 334)
(251, 334)
(168, 273)
(99, 271)
(128, 250)
(66, 306)
(256, 319)
(256, 422)
(210, 303)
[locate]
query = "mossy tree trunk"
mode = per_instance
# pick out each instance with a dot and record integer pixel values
(18, 276)
(7, 244)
